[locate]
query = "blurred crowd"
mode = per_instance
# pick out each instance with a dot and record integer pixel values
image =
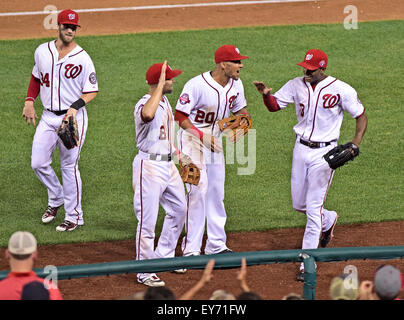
(22, 283)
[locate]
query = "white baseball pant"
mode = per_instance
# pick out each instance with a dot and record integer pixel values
(45, 142)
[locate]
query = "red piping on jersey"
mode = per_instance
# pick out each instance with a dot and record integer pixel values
(361, 114)
(168, 124)
(89, 92)
(141, 208)
(308, 103)
(218, 99)
(315, 111)
(75, 167)
(76, 53)
(186, 223)
(325, 196)
(51, 85)
(60, 68)
(232, 81)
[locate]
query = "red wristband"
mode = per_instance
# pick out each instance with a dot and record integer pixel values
(196, 132)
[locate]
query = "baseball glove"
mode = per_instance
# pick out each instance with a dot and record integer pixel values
(235, 126)
(68, 132)
(189, 172)
(341, 154)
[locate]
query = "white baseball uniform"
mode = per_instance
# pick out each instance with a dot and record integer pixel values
(63, 81)
(156, 180)
(319, 114)
(206, 101)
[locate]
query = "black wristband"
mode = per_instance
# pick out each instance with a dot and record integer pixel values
(78, 104)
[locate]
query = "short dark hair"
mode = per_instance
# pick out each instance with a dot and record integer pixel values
(158, 293)
(248, 296)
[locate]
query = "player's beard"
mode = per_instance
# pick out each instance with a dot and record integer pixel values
(168, 88)
(66, 40)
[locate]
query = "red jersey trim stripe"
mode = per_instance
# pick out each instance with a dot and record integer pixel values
(315, 111)
(51, 85)
(218, 98)
(75, 168)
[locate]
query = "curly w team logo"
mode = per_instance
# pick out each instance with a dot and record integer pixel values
(184, 99)
(330, 101)
(232, 99)
(72, 71)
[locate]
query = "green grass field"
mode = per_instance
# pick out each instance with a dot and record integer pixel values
(369, 189)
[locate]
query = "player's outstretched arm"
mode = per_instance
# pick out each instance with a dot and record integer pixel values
(262, 87)
(361, 125)
(150, 107)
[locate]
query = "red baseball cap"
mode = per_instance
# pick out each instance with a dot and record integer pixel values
(68, 17)
(314, 59)
(228, 53)
(154, 72)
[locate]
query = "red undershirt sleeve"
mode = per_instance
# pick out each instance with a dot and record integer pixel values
(181, 117)
(271, 103)
(33, 89)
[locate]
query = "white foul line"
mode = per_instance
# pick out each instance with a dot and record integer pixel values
(169, 6)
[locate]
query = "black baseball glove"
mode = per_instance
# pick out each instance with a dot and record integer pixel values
(68, 132)
(341, 154)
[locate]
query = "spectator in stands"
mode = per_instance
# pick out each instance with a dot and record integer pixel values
(21, 255)
(344, 287)
(158, 293)
(221, 294)
(293, 296)
(34, 290)
(386, 285)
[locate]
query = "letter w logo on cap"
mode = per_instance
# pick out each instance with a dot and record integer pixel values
(309, 56)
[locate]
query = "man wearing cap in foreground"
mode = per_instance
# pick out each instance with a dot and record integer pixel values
(65, 76)
(206, 99)
(21, 255)
(156, 179)
(387, 284)
(320, 102)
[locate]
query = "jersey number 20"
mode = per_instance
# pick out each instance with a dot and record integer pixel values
(202, 117)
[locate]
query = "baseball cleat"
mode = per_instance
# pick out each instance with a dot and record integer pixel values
(300, 276)
(227, 250)
(50, 214)
(152, 281)
(327, 236)
(67, 226)
(180, 271)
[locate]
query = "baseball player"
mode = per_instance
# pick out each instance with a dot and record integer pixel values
(204, 100)
(65, 76)
(156, 179)
(320, 102)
